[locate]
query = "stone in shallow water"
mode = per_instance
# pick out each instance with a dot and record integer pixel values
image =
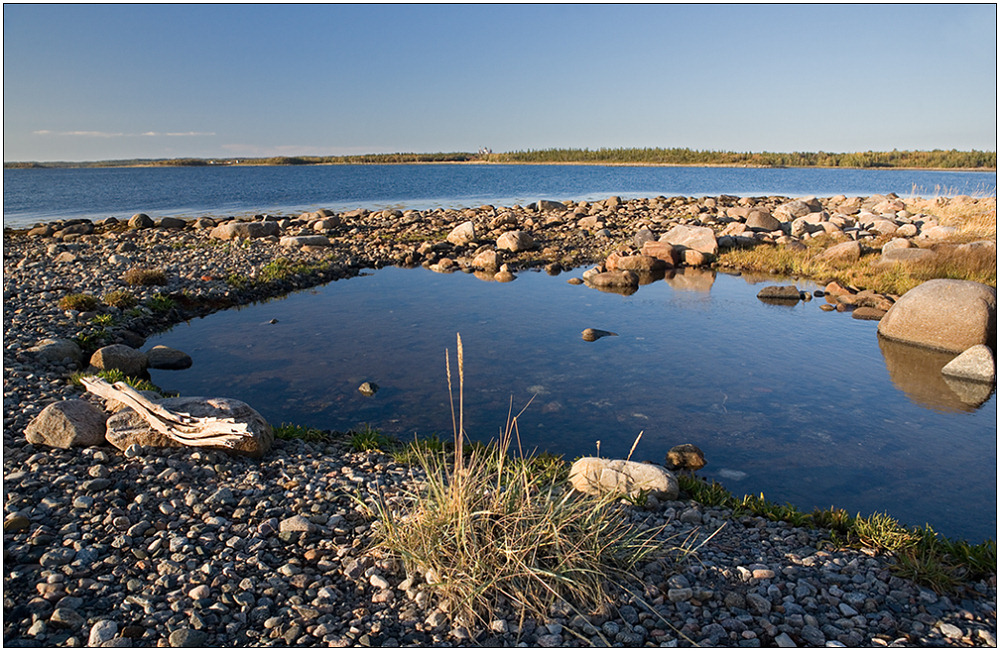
(166, 358)
(976, 364)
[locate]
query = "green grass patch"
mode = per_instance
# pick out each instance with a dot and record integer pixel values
(368, 438)
(161, 303)
(288, 431)
(116, 375)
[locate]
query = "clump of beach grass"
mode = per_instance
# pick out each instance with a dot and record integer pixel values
(140, 276)
(974, 217)
(79, 302)
(488, 531)
(120, 298)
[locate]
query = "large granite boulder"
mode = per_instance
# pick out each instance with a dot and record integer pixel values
(127, 427)
(594, 476)
(68, 423)
(699, 238)
(128, 360)
(944, 314)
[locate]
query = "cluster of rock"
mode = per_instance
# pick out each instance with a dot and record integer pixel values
(146, 545)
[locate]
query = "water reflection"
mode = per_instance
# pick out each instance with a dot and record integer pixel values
(916, 372)
(691, 279)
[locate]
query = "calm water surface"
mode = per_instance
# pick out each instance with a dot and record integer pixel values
(33, 195)
(807, 406)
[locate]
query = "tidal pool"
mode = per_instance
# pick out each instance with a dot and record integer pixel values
(806, 406)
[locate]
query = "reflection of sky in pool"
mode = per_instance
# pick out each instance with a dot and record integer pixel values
(807, 403)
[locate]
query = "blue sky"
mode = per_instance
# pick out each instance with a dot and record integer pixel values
(94, 82)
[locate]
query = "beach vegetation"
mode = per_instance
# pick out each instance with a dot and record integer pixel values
(368, 438)
(79, 302)
(288, 431)
(486, 531)
(140, 276)
(160, 303)
(116, 375)
(123, 299)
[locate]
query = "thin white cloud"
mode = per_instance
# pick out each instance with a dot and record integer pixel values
(108, 134)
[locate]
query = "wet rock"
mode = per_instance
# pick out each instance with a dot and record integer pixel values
(976, 364)
(686, 456)
(368, 389)
(67, 423)
(592, 334)
(789, 293)
(166, 358)
(593, 475)
(613, 279)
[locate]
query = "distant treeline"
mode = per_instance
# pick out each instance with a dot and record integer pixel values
(938, 158)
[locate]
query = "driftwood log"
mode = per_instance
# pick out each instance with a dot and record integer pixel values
(183, 428)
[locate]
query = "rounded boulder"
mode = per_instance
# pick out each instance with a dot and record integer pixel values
(944, 314)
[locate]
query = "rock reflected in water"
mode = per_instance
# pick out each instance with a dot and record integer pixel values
(916, 372)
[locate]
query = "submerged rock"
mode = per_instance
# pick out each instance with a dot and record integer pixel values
(789, 293)
(368, 389)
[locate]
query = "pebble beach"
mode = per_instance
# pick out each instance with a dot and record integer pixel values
(196, 547)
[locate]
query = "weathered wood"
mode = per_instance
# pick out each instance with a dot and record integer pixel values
(181, 427)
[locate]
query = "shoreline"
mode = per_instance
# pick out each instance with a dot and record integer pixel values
(804, 588)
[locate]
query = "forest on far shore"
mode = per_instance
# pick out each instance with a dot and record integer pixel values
(934, 159)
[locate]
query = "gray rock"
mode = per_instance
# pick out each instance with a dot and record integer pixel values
(128, 360)
(297, 523)
(187, 638)
(844, 252)
(140, 220)
(58, 351)
(545, 204)
(172, 223)
(761, 220)
(66, 618)
(757, 604)
(976, 364)
(944, 314)
(164, 357)
(792, 210)
(68, 423)
(905, 254)
(299, 241)
(246, 230)
(102, 631)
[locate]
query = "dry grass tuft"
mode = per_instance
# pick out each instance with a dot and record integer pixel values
(975, 218)
(489, 533)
